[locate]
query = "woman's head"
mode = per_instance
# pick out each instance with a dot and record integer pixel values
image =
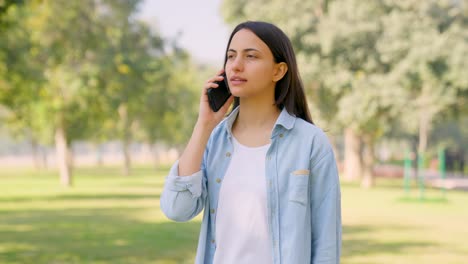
(288, 88)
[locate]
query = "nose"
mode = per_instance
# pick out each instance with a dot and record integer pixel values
(237, 64)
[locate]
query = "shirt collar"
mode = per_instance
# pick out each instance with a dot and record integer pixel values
(285, 120)
(230, 121)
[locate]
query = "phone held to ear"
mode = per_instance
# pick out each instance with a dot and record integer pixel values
(217, 97)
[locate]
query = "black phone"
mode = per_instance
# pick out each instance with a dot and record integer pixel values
(217, 97)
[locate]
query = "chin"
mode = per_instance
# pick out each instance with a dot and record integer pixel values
(236, 92)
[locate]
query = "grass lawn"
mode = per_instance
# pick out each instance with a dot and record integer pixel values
(109, 218)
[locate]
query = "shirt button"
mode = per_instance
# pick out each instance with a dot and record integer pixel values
(281, 135)
(212, 211)
(270, 183)
(218, 180)
(228, 154)
(212, 241)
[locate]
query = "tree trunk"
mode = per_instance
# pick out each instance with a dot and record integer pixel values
(368, 179)
(125, 126)
(44, 157)
(127, 161)
(97, 149)
(71, 158)
(36, 154)
(424, 126)
(424, 121)
(62, 155)
(353, 156)
(155, 151)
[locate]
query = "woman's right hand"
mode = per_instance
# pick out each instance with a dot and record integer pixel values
(191, 159)
(206, 116)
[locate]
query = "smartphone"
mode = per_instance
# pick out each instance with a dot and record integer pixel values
(217, 97)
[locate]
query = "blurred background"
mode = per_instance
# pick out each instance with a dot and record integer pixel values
(98, 98)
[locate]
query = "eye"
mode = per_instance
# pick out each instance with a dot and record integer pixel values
(251, 56)
(230, 56)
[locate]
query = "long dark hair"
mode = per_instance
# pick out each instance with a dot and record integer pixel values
(289, 91)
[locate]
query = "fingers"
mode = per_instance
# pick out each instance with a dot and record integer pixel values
(211, 83)
(216, 78)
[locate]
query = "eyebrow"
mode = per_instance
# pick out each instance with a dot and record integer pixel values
(245, 50)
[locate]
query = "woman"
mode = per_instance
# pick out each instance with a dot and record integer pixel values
(265, 175)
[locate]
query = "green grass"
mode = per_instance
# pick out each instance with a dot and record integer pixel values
(109, 218)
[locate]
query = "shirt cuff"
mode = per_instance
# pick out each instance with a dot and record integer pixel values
(192, 183)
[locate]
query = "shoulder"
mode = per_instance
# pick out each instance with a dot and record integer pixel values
(316, 138)
(311, 132)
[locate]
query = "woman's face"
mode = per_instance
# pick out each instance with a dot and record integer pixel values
(250, 67)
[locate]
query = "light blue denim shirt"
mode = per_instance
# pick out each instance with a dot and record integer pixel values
(303, 192)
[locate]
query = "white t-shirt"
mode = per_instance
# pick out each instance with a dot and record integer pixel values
(242, 235)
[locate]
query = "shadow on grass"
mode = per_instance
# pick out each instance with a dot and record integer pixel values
(425, 200)
(118, 171)
(93, 235)
(113, 236)
(380, 182)
(76, 197)
(355, 244)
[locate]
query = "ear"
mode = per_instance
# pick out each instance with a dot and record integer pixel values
(280, 70)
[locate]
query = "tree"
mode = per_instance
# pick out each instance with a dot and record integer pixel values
(174, 101)
(132, 57)
(341, 37)
(66, 39)
(90, 71)
(432, 53)
(22, 81)
(355, 56)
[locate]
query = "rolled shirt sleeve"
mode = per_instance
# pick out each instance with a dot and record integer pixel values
(183, 196)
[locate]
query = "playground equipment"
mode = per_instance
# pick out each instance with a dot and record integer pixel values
(442, 169)
(408, 165)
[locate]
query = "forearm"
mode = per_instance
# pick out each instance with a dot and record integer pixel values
(191, 159)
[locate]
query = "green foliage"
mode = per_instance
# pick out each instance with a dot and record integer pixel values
(175, 103)
(93, 68)
(22, 88)
(370, 65)
(435, 51)
(4, 5)
(335, 43)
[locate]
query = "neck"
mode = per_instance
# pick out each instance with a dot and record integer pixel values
(255, 122)
(256, 115)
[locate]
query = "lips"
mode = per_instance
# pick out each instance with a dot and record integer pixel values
(236, 80)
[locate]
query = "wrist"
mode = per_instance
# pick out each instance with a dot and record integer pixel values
(205, 125)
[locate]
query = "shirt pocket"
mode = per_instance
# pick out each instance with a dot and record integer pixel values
(298, 186)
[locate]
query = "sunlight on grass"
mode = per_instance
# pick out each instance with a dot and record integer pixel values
(108, 218)
(381, 226)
